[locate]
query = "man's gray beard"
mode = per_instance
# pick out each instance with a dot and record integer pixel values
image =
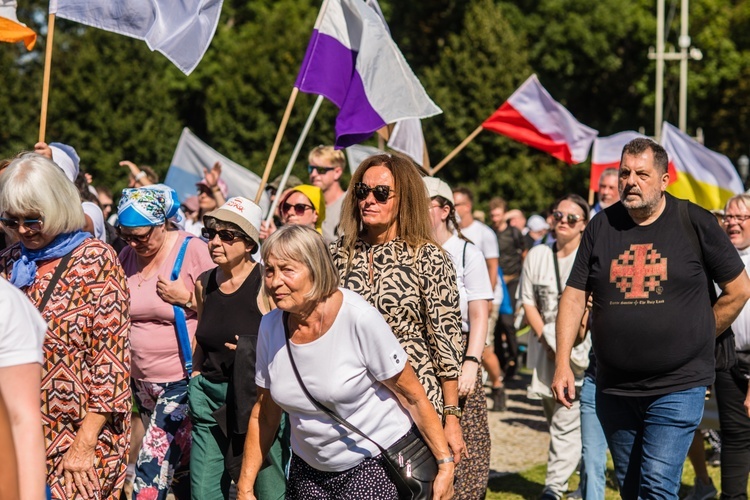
(643, 208)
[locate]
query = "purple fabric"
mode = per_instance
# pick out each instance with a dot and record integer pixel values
(329, 70)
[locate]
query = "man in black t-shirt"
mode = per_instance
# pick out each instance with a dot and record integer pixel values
(647, 262)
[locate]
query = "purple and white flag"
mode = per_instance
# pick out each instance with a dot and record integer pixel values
(353, 61)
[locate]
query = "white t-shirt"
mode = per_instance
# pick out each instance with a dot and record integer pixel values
(484, 237)
(741, 325)
(97, 218)
(342, 370)
(473, 281)
(22, 328)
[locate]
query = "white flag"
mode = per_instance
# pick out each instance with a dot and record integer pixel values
(357, 154)
(407, 138)
(180, 29)
(193, 155)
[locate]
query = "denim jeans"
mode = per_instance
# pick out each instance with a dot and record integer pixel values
(594, 467)
(649, 437)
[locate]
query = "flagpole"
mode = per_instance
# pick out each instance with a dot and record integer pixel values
(276, 143)
(47, 71)
(457, 149)
(293, 158)
(591, 197)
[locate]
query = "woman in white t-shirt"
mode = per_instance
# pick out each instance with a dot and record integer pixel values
(545, 272)
(350, 361)
(475, 295)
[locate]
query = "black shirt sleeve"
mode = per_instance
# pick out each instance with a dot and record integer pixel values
(579, 275)
(722, 261)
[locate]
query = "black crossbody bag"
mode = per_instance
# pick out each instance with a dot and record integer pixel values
(409, 461)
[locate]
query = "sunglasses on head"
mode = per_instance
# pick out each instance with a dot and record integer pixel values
(140, 238)
(224, 234)
(381, 193)
(319, 170)
(299, 208)
(571, 218)
(29, 224)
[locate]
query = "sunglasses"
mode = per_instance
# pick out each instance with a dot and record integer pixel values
(139, 238)
(572, 219)
(224, 234)
(381, 193)
(29, 224)
(299, 208)
(319, 170)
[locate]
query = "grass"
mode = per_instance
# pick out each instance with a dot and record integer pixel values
(529, 483)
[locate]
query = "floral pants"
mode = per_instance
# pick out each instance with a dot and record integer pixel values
(164, 459)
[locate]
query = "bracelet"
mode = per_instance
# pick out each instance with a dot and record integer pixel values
(140, 175)
(471, 358)
(447, 460)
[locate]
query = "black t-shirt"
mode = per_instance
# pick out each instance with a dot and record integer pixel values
(224, 316)
(511, 245)
(652, 321)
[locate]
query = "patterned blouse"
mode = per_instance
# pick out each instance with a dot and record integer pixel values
(415, 291)
(86, 357)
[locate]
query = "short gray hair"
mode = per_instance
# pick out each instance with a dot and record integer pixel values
(737, 199)
(607, 172)
(33, 183)
(304, 245)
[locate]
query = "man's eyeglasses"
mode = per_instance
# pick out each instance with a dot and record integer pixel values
(572, 219)
(224, 234)
(299, 208)
(381, 193)
(29, 224)
(727, 219)
(319, 170)
(139, 238)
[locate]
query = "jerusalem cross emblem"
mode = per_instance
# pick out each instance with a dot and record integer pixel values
(638, 271)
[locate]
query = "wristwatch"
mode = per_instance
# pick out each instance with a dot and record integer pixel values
(471, 358)
(453, 410)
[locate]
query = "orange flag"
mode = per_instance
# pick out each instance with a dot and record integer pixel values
(11, 30)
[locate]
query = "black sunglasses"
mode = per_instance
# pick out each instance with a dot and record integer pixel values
(29, 224)
(224, 234)
(381, 193)
(140, 238)
(320, 170)
(299, 208)
(571, 218)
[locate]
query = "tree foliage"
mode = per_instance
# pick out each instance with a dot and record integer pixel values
(113, 99)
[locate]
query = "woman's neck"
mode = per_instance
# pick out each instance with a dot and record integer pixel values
(378, 236)
(565, 248)
(442, 234)
(236, 271)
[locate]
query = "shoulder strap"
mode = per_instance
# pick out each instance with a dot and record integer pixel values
(59, 270)
(318, 404)
(557, 270)
(180, 322)
(463, 260)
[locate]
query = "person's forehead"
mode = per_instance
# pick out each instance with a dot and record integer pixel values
(608, 180)
(737, 206)
(296, 197)
(644, 160)
(570, 207)
(378, 175)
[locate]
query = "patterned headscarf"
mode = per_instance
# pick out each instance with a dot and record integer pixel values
(148, 206)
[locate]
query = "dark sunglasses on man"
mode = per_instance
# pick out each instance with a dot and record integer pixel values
(319, 170)
(381, 193)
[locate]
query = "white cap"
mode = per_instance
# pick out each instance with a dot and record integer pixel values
(436, 187)
(66, 158)
(537, 223)
(241, 212)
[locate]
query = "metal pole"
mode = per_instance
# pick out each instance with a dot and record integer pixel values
(684, 43)
(659, 69)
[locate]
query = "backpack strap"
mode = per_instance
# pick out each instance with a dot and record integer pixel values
(180, 322)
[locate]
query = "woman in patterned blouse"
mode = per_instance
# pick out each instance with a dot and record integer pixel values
(85, 396)
(388, 255)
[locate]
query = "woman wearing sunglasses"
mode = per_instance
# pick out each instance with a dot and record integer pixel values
(301, 205)
(388, 255)
(545, 272)
(475, 292)
(159, 377)
(79, 286)
(222, 391)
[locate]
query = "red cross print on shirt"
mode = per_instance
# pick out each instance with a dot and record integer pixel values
(638, 271)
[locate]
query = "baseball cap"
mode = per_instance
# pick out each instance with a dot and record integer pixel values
(241, 212)
(436, 187)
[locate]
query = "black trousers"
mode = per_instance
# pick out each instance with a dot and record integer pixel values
(735, 434)
(505, 325)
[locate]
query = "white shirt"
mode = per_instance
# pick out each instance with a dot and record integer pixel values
(97, 218)
(22, 328)
(342, 370)
(484, 237)
(473, 280)
(741, 325)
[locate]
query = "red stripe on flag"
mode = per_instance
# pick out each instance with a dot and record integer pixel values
(596, 173)
(509, 122)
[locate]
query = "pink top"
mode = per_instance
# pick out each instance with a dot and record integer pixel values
(155, 352)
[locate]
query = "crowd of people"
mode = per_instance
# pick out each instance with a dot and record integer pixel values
(157, 346)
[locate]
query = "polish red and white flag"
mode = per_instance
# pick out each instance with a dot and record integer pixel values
(533, 117)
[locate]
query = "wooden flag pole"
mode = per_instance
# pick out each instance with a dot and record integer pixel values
(47, 71)
(426, 159)
(276, 143)
(295, 154)
(457, 150)
(591, 197)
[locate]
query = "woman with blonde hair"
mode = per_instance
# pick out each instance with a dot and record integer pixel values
(388, 255)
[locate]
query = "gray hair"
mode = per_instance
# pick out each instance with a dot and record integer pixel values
(607, 172)
(34, 184)
(743, 199)
(304, 245)
(641, 145)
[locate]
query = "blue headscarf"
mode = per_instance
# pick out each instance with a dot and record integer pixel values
(148, 206)
(24, 268)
